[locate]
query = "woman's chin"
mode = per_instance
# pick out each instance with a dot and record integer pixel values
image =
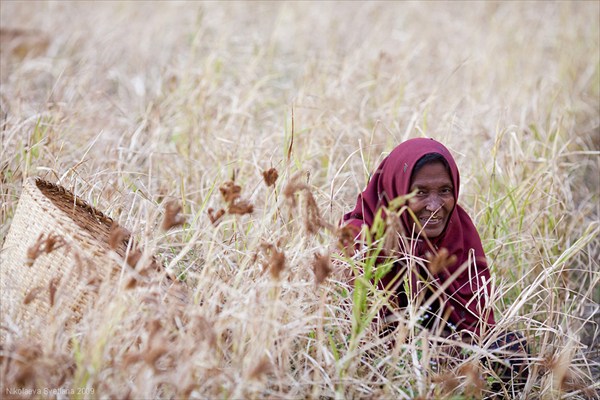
(432, 233)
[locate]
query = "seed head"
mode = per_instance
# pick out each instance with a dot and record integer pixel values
(53, 242)
(34, 251)
(447, 381)
(172, 217)
(118, 236)
(474, 383)
(441, 261)
(52, 289)
(270, 176)
(276, 264)
(230, 191)
(152, 356)
(394, 229)
(312, 219)
(134, 257)
(131, 283)
(215, 216)
(294, 186)
(263, 367)
(41, 245)
(32, 294)
(241, 207)
(346, 237)
(321, 266)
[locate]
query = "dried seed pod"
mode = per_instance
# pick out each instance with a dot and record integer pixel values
(134, 257)
(230, 191)
(321, 266)
(448, 382)
(240, 207)
(270, 176)
(32, 294)
(264, 366)
(34, 251)
(215, 217)
(276, 264)
(118, 236)
(152, 355)
(293, 186)
(347, 236)
(131, 358)
(394, 229)
(52, 243)
(474, 384)
(172, 217)
(440, 262)
(52, 289)
(312, 219)
(131, 283)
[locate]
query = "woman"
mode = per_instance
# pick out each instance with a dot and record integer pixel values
(426, 167)
(436, 232)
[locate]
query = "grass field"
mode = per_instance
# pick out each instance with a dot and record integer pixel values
(133, 105)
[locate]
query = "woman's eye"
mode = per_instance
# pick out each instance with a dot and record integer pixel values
(446, 190)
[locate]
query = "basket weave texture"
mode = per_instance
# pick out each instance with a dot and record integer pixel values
(81, 258)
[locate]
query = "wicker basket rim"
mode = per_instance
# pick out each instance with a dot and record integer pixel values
(87, 217)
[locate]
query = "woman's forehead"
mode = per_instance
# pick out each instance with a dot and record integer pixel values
(432, 174)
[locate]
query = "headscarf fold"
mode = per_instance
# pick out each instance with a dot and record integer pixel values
(467, 296)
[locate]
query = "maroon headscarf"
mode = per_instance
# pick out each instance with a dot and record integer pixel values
(466, 295)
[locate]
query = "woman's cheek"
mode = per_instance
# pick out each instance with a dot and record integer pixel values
(415, 205)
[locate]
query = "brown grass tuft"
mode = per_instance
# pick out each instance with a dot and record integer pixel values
(131, 283)
(53, 242)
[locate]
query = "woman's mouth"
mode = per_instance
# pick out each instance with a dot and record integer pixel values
(431, 221)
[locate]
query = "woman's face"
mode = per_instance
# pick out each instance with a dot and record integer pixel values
(434, 201)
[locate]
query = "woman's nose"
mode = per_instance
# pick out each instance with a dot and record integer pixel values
(434, 203)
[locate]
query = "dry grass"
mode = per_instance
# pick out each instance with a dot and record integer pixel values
(147, 107)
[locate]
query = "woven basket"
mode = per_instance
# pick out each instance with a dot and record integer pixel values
(79, 259)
